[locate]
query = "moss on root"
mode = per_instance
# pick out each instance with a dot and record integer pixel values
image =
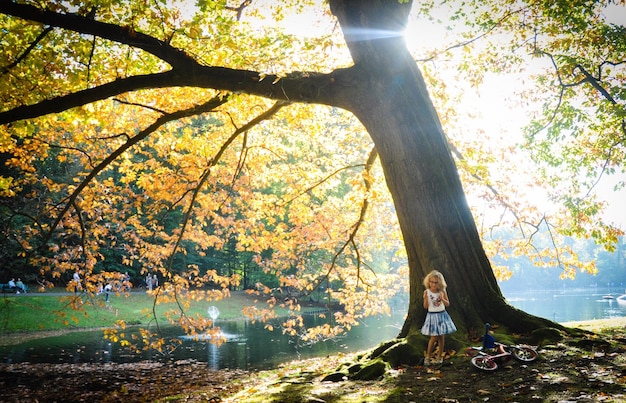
(402, 353)
(371, 370)
(409, 351)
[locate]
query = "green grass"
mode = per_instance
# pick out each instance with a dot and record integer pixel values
(52, 311)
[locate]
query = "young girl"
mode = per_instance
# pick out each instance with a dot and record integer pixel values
(438, 323)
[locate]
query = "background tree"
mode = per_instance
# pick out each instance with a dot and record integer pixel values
(116, 86)
(575, 138)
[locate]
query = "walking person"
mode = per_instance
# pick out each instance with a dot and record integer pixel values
(76, 279)
(107, 291)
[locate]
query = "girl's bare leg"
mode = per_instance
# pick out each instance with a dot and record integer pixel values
(431, 346)
(440, 342)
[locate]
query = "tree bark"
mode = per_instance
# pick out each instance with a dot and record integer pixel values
(437, 225)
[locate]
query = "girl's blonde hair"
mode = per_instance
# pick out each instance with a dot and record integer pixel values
(442, 281)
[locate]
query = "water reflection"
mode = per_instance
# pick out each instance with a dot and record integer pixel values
(213, 356)
(248, 346)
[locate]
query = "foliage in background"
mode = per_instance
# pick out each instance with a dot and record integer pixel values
(206, 190)
(556, 70)
(213, 191)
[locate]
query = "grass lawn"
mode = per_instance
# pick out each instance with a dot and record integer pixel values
(57, 311)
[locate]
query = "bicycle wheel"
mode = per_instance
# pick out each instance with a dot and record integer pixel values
(484, 363)
(524, 353)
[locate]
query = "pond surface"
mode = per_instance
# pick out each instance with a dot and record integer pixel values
(570, 305)
(250, 346)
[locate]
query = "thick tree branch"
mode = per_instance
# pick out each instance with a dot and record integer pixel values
(86, 96)
(85, 25)
(308, 88)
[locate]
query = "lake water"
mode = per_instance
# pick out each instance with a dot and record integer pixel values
(250, 346)
(569, 305)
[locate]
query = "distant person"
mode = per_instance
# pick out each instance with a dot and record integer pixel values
(437, 323)
(107, 291)
(149, 282)
(12, 286)
(155, 282)
(76, 280)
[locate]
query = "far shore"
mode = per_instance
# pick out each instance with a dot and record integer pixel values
(597, 324)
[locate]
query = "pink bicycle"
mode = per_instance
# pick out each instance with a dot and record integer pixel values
(491, 353)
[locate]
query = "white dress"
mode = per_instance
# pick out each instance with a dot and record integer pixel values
(437, 321)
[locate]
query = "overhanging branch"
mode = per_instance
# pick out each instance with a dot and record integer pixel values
(85, 25)
(305, 88)
(208, 106)
(335, 88)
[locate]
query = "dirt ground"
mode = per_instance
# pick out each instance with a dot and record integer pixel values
(574, 370)
(592, 369)
(138, 382)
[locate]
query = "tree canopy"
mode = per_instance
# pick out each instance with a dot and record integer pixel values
(143, 133)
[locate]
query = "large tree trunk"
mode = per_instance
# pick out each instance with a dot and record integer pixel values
(392, 102)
